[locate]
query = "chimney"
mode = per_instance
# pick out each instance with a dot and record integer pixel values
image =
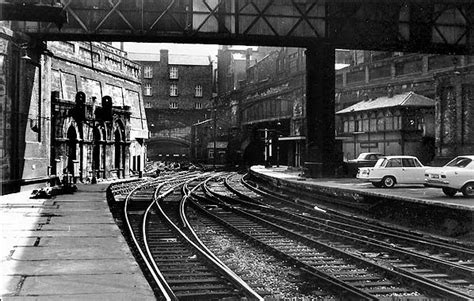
(164, 57)
(248, 57)
(390, 91)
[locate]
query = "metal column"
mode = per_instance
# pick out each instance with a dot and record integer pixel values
(321, 154)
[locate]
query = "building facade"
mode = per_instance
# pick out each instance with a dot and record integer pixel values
(102, 135)
(394, 124)
(177, 92)
(44, 134)
(446, 79)
(264, 112)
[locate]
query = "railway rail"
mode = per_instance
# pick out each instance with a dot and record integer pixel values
(331, 255)
(409, 271)
(180, 269)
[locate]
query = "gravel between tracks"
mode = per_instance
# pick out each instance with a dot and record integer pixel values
(265, 273)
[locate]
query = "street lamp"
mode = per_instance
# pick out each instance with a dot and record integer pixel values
(214, 134)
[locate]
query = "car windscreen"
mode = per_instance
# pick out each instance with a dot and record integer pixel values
(459, 162)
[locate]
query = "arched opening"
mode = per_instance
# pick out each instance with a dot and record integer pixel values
(118, 152)
(71, 149)
(96, 157)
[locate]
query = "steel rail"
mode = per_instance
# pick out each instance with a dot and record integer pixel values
(230, 275)
(205, 248)
(390, 232)
(326, 278)
(421, 281)
(157, 276)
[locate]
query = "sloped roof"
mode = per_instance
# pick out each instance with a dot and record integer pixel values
(173, 59)
(147, 57)
(409, 99)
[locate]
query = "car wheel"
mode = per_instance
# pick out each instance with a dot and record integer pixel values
(468, 190)
(377, 184)
(388, 182)
(449, 191)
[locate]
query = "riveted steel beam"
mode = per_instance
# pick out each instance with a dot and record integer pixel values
(440, 26)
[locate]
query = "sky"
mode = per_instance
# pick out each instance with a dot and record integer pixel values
(191, 49)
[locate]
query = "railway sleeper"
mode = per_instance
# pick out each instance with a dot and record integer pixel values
(196, 281)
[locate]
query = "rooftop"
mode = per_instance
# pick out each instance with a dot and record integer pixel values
(409, 99)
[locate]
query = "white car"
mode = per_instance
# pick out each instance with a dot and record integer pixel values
(456, 175)
(392, 170)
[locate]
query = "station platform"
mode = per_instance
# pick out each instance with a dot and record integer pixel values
(427, 208)
(66, 248)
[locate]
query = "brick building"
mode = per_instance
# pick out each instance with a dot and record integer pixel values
(177, 90)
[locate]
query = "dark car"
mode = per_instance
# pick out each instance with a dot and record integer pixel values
(363, 160)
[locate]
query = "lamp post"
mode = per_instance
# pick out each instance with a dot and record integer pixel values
(214, 134)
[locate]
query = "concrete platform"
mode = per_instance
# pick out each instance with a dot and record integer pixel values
(429, 206)
(66, 248)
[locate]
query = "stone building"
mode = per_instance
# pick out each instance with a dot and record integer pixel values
(43, 132)
(177, 90)
(104, 137)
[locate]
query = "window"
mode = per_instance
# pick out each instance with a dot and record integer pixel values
(174, 90)
(459, 162)
(173, 105)
(147, 90)
(397, 162)
(148, 72)
(173, 72)
(198, 105)
(381, 124)
(408, 162)
(211, 154)
(198, 91)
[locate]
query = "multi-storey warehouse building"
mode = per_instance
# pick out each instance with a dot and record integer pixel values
(177, 90)
(57, 122)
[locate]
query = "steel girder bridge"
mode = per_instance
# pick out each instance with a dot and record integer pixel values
(430, 26)
(440, 26)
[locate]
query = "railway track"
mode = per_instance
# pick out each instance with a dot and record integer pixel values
(180, 269)
(392, 271)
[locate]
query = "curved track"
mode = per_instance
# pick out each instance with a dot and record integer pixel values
(180, 269)
(409, 270)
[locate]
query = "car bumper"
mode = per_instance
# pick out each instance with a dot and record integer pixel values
(436, 183)
(369, 179)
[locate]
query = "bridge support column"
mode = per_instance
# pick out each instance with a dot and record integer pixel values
(321, 159)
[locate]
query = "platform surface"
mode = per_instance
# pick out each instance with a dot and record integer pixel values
(66, 248)
(411, 193)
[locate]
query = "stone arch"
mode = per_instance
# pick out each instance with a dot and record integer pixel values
(70, 122)
(72, 149)
(118, 137)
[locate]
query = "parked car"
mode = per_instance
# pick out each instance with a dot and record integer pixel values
(363, 160)
(392, 170)
(366, 159)
(456, 175)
